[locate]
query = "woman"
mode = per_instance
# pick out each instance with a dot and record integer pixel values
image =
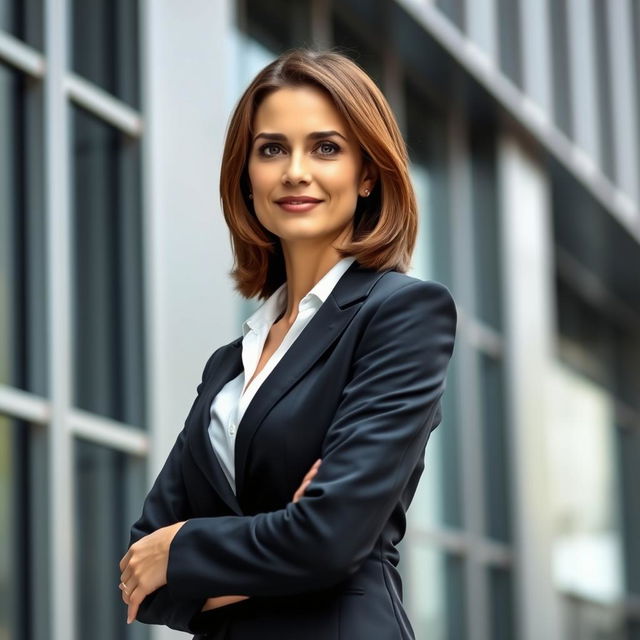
(335, 382)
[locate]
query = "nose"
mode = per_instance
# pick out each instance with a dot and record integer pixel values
(296, 170)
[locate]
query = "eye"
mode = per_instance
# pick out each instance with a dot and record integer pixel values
(328, 148)
(267, 150)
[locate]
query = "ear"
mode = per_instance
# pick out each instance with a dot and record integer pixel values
(369, 175)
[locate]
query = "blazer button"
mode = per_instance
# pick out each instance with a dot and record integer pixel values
(232, 429)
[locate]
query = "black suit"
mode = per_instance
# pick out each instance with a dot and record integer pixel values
(359, 388)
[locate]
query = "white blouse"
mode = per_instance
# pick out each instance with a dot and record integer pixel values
(229, 405)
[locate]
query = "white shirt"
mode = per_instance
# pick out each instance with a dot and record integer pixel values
(229, 405)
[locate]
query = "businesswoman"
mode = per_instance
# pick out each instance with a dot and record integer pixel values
(279, 508)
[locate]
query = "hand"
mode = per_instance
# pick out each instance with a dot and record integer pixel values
(221, 601)
(144, 567)
(306, 480)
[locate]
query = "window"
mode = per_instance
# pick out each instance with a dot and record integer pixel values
(108, 251)
(105, 46)
(24, 522)
(560, 66)
(22, 241)
(486, 224)
(23, 20)
(110, 490)
(508, 17)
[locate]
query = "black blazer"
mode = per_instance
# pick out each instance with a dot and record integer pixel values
(359, 388)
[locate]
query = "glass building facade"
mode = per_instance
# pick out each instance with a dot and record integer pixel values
(522, 120)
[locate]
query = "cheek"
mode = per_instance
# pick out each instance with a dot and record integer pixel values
(342, 182)
(261, 176)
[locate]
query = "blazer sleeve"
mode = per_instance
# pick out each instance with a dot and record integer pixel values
(166, 504)
(377, 435)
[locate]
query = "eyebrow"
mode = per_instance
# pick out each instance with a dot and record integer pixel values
(312, 136)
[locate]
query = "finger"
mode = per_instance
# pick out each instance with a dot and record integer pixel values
(299, 493)
(132, 611)
(301, 489)
(126, 575)
(125, 560)
(125, 593)
(312, 472)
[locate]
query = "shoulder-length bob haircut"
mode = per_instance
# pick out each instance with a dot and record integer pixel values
(385, 223)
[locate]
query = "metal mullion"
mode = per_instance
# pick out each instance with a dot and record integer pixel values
(460, 542)
(24, 405)
(467, 382)
(57, 170)
(484, 337)
(103, 104)
(21, 56)
(108, 433)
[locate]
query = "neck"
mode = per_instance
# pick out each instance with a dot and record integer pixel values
(306, 263)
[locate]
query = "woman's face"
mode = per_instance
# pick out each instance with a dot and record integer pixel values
(303, 148)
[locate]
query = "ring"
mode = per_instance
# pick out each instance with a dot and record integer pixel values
(124, 588)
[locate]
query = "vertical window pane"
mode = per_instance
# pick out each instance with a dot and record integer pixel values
(603, 60)
(485, 229)
(454, 10)
(109, 491)
(108, 293)
(23, 19)
(509, 34)
(561, 68)
(496, 450)
(435, 593)
(502, 604)
(587, 537)
(427, 144)
(24, 523)
(22, 243)
(105, 45)
(628, 443)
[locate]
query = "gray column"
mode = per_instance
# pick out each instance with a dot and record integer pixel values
(526, 241)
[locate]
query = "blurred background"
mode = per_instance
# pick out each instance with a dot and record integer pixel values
(523, 126)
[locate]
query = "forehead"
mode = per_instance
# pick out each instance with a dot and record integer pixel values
(297, 109)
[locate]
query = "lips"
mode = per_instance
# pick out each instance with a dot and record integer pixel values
(297, 200)
(297, 204)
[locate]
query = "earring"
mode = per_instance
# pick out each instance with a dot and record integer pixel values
(366, 192)
(250, 195)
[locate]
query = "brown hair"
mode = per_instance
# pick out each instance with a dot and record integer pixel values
(385, 223)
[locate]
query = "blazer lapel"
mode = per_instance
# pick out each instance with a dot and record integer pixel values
(225, 367)
(320, 333)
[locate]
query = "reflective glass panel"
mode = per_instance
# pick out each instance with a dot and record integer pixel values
(109, 491)
(434, 593)
(105, 46)
(23, 300)
(108, 330)
(24, 527)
